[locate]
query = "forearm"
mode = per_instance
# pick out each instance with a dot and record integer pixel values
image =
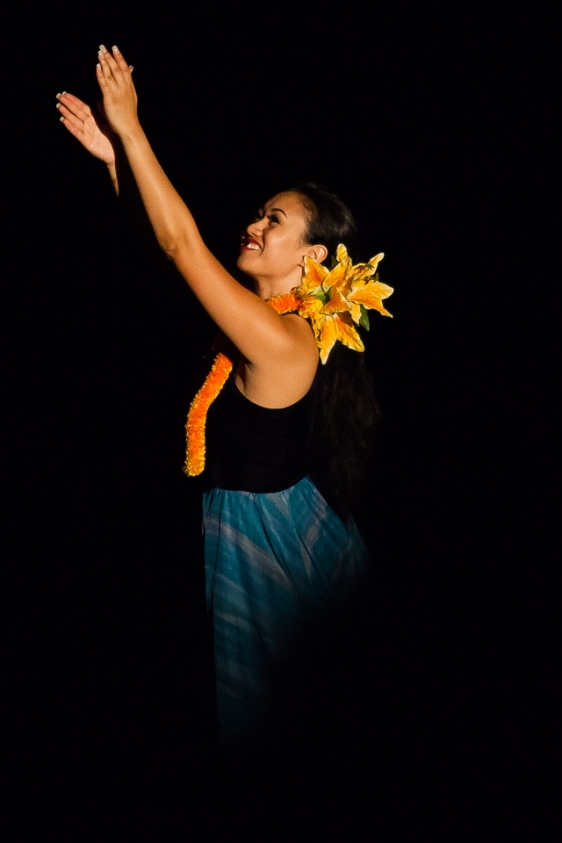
(229, 304)
(170, 218)
(112, 170)
(234, 308)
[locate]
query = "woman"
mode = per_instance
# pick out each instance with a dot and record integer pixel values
(279, 561)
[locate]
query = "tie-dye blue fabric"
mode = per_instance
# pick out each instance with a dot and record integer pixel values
(277, 566)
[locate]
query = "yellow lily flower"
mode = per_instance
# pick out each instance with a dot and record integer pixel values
(334, 299)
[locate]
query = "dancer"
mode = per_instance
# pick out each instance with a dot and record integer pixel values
(281, 427)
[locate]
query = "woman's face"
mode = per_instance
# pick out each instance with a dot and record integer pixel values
(273, 246)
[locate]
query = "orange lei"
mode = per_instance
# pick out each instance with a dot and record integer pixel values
(214, 382)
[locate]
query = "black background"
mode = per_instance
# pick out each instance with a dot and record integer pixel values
(432, 122)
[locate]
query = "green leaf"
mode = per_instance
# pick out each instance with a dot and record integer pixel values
(364, 318)
(333, 262)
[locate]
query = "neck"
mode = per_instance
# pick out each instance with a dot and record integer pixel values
(267, 288)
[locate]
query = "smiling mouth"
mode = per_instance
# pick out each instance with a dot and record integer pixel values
(248, 244)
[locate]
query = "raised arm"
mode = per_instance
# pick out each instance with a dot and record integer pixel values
(263, 337)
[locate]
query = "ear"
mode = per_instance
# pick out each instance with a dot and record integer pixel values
(319, 253)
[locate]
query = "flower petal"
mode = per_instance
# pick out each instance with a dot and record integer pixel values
(327, 338)
(341, 253)
(347, 333)
(363, 271)
(338, 275)
(374, 262)
(355, 312)
(337, 303)
(313, 276)
(370, 295)
(310, 307)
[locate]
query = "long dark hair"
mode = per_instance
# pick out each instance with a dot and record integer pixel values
(346, 409)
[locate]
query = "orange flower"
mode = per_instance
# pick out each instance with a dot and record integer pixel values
(197, 416)
(333, 299)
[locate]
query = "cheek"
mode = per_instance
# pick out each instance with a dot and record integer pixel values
(295, 245)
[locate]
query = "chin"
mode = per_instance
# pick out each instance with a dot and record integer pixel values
(242, 261)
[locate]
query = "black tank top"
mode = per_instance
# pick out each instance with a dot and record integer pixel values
(256, 449)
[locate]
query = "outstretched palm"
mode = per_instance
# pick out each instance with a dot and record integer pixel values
(92, 130)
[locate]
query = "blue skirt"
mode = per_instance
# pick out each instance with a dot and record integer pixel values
(278, 568)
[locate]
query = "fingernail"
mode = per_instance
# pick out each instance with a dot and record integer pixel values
(102, 49)
(131, 67)
(57, 105)
(63, 93)
(115, 49)
(61, 119)
(98, 66)
(59, 95)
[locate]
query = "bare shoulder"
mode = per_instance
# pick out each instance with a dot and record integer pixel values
(300, 329)
(286, 379)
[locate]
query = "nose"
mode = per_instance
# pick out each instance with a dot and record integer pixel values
(255, 228)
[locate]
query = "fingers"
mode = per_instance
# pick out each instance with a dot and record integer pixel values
(71, 105)
(67, 115)
(75, 120)
(72, 121)
(112, 66)
(75, 127)
(104, 70)
(123, 66)
(71, 101)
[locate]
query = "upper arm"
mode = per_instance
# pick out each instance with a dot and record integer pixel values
(261, 335)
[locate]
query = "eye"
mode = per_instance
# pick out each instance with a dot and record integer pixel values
(273, 218)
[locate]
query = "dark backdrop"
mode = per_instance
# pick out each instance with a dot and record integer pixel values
(432, 124)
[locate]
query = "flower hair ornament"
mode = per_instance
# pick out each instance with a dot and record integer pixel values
(333, 300)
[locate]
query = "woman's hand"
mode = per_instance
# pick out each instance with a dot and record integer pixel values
(119, 95)
(93, 131)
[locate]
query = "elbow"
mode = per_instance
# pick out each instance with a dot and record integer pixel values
(173, 243)
(177, 248)
(170, 251)
(169, 246)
